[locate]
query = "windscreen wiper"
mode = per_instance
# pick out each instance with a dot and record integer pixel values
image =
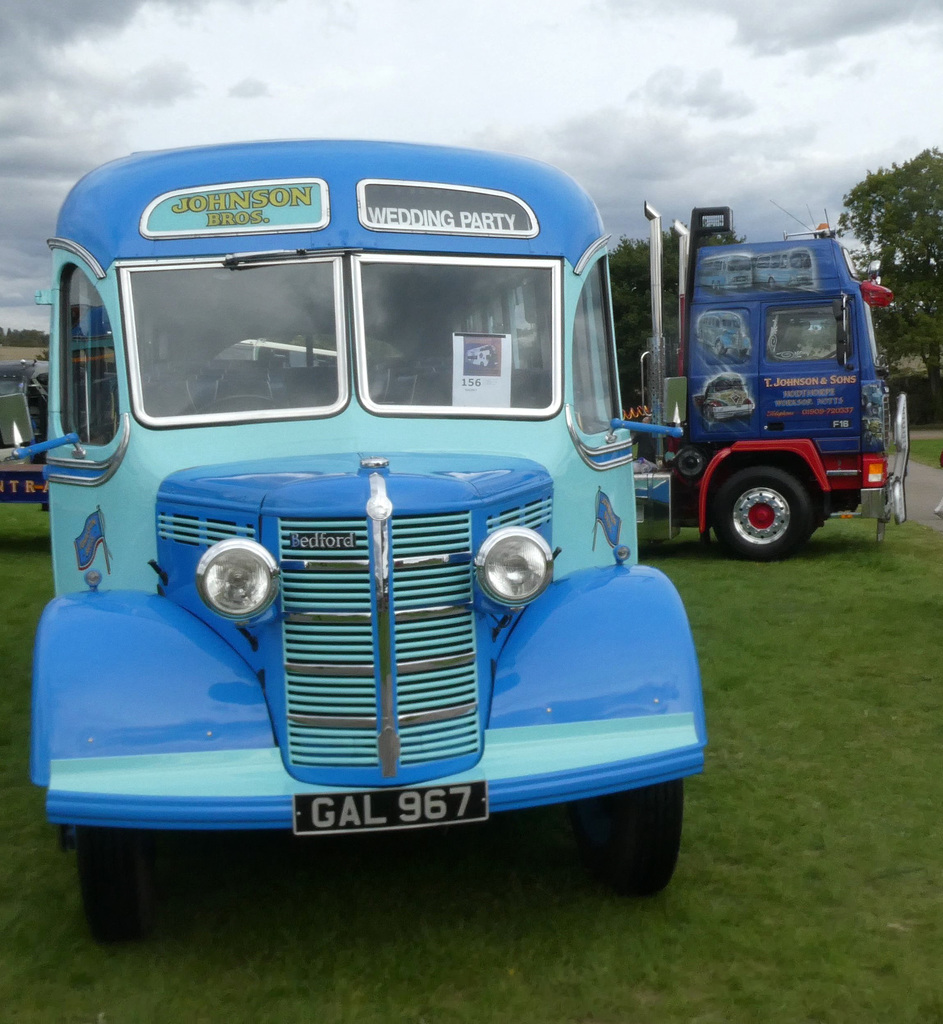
(238, 260)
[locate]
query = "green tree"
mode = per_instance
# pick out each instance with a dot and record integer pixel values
(896, 214)
(630, 276)
(23, 338)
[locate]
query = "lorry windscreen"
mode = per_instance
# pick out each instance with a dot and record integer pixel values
(447, 335)
(213, 344)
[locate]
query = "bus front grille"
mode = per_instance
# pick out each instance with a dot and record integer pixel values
(331, 640)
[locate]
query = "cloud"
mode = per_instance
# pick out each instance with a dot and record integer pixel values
(681, 102)
(706, 97)
(772, 27)
(775, 28)
(623, 159)
(64, 109)
(159, 85)
(32, 36)
(249, 89)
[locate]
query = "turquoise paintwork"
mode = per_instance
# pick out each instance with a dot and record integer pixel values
(127, 500)
(524, 766)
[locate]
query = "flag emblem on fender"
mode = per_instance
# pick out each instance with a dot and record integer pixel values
(606, 518)
(87, 542)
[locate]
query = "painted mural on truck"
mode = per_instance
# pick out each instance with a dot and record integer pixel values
(764, 267)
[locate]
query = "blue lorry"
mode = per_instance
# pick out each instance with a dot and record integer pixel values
(779, 391)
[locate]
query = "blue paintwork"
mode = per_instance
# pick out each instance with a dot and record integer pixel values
(125, 187)
(649, 667)
(23, 484)
(334, 484)
(657, 429)
(32, 450)
(173, 687)
(826, 275)
(148, 677)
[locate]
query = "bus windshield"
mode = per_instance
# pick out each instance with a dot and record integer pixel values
(267, 340)
(449, 334)
(214, 344)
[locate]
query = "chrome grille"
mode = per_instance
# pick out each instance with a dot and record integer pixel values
(331, 688)
(185, 528)
(332, 748)
(533, 515)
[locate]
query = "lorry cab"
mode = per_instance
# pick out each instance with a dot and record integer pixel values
(781, 397)
(343, 537)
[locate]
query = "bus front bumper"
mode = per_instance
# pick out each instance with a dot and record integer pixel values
(524, 766)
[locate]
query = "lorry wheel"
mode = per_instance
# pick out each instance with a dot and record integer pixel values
(630, 840)
(762, 513)
(116, 877)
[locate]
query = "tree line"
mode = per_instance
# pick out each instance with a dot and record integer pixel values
(23, 338)
(896, 216)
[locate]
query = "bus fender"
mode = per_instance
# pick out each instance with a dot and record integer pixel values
(124, 673)
(602, 643)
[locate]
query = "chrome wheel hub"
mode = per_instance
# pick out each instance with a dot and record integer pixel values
(761, 515)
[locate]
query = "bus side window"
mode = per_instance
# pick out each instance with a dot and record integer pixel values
(90, 400)
(594, 381)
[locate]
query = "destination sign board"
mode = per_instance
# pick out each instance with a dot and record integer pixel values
(240, 208)
(428, 208)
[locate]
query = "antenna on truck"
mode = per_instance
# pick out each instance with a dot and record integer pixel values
(823, 230)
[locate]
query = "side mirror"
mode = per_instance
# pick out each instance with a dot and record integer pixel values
(874, 271)
(840, 309)
(15, 426)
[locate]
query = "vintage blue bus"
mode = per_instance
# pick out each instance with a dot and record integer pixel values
(343, 522)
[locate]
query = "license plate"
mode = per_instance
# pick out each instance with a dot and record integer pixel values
(380, 809)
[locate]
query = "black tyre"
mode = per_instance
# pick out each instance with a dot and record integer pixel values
(762, 513)
(630, 841)
(116, 877)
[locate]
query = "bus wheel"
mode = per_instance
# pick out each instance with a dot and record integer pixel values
(762, 513)
(116, 877)
(630, 840)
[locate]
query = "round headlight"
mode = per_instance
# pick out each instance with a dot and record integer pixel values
(237, 578)
(514, 565)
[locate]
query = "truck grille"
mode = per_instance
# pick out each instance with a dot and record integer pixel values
(331, 686)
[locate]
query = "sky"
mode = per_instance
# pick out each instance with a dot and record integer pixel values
(775, 109)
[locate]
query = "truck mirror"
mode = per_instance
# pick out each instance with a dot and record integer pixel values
(15, 426)
(840, 309)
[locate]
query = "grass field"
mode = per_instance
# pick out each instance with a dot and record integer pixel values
(926, 450)
(808, 888)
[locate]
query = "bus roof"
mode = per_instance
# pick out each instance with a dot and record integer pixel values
(133, 207)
